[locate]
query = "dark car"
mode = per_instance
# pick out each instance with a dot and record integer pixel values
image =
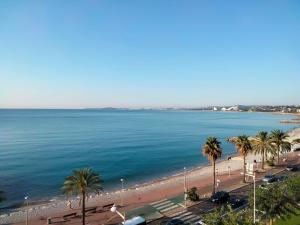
(269, 178)
(274, 179)
(236, 202)
(292, 168)
(175, 222)
(220, 197)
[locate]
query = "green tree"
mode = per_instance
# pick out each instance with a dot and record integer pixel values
(212, 149)
(262, 144)
(272, 203)
(243, 146)
(82, 181)
(215, 218)
(278, 138)
(227, 216)
(292, 187)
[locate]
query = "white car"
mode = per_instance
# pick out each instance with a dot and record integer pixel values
(138, 220)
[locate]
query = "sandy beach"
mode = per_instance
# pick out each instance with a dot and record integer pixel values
(229, 172)
(295, 120)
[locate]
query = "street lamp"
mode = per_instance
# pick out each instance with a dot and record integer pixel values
(250, 172)
(218, 183)
(217, 173)
(122, 183)
(115, 210)
(254, 196)
(184, 187)
(26, 201)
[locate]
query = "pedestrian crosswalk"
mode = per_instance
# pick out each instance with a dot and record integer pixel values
(164, 205)
(185, 217)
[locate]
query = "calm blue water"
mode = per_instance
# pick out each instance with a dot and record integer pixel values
(38, 148)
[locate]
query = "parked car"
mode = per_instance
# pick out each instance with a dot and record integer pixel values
(138, 220)
(292, 168)
(236, 202)
(220, 197)
(270, 178)
(175, 222)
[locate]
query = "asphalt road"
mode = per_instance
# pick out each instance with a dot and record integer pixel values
(195, 213)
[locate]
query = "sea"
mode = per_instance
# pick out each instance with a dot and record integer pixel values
(39, 147)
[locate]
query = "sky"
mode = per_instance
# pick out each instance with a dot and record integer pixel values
(148, 53)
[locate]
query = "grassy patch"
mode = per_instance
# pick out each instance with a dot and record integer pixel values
(294, 220)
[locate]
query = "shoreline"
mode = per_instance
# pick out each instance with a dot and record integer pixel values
(295, 120)
(150, 182)
(156, 189)
(58, 204)
(135, 197)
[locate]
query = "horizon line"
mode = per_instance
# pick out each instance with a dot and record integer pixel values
(136, 108)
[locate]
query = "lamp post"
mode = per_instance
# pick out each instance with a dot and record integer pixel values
(250, 172)
(218, 184)
(115, 210)
(184, 187)
(26, 201)
(217, 173)
(254, 196)
(229, 171)
(122, 183)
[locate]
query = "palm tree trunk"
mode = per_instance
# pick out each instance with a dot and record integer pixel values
(214, 176)
(83, 208)
(244, 168)
(263, 160)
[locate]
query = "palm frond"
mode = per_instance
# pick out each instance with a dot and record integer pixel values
(296, 141)
(243, 144)
(262, 143)
(82, 180)
(212, 148)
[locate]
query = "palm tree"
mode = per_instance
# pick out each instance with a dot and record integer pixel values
(212, 149)
(243, 146)
(82, 181)
(262, 144)
(278, 139)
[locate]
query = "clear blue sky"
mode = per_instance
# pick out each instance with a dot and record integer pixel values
(73, 54)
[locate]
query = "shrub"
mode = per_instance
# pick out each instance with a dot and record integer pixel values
(292, 187)
(192, 194)
(270, 163)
